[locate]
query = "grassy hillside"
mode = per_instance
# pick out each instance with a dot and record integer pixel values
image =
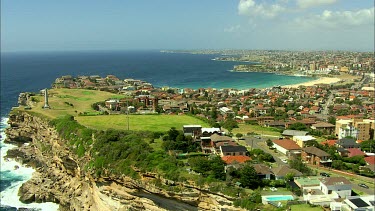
(75, 101)
(70, 101)
(139, 122)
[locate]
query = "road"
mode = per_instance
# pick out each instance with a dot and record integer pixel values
(259, 142)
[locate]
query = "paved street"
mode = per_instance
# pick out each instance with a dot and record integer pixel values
(259, 142)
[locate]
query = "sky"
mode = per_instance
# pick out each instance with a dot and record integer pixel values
(73, 25)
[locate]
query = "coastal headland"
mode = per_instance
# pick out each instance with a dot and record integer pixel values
(94, 148)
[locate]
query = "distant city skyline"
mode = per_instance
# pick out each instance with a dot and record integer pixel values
(69, 25)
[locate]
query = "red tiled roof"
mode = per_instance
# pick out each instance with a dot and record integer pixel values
(238, 158)
(287, 144)
(370, 160)
(329, 142)
(355, 152)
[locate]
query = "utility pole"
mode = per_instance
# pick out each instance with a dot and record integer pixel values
(127, 112)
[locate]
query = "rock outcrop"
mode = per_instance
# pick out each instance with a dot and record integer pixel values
(60, 177)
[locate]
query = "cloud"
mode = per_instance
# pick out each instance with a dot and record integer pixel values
(232, 29)
(332, 19)
(314, 3)
(251, 8)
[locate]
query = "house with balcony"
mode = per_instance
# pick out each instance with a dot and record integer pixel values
(316, 156)
(323, 127)
(336, 187)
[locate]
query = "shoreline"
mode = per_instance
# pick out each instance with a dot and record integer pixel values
(17, 177)
(321, 80)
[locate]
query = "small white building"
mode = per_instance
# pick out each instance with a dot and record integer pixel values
(336, 187)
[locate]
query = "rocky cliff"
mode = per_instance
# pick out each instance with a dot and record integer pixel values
(60, 177)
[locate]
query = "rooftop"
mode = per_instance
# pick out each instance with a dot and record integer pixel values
(307, 181)
(237, 158)
(316, 151)
(304, 138)
(233, 149)
(335, 181)
(294, 133)
(287, 144)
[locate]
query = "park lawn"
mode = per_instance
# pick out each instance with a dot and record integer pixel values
(70, 101)
(245, 128)
(160, 123)
(305, 207)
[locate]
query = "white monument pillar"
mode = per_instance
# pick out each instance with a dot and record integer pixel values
(46, 105)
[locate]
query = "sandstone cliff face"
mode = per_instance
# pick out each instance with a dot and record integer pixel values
(59, 177)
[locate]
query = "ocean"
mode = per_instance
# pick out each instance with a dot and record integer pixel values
(33, 71)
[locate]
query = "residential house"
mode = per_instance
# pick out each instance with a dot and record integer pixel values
(304, 141)
(232, 150)
(282, 171)
(357, 203)
(315, 156)
(287, 147)
(347, 143)
(211, 144)
(307, 122)
(291, 133)
(336, 187)
(264, 120)
(355, 152)
(324, 127)
(207, 132)
(307, 182)
(263, 171)
(230, 159)
(329, 142)
(370, 160)
(192, 130)
(225, 111)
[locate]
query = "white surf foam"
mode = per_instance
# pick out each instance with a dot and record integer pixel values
(9, 196)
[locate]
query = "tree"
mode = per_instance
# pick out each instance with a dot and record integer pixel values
(229, 124)
(249, 177)
(297, 126)
(269, 143)
(300, 166)
(332, 120)
(214, 113)
(173, 133)
(368, 146)
(239, 135)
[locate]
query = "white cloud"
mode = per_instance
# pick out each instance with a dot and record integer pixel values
(251, 8)
(332, 19)
(232, 28)
(314, 3)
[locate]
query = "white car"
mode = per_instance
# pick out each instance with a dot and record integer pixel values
(284, 160)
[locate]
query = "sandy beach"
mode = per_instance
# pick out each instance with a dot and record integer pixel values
(323, 80)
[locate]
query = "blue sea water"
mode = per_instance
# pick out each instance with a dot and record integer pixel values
(25, 71)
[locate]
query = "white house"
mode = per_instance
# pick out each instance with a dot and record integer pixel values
(287, 147)
(336, 187)
(359, 203)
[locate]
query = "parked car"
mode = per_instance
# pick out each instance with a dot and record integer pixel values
(284, 160)
(324, 174)
(363, 185)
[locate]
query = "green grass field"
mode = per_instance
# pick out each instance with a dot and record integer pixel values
(75, 101)
(70, 101)
(139, 122)
(306, 207)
